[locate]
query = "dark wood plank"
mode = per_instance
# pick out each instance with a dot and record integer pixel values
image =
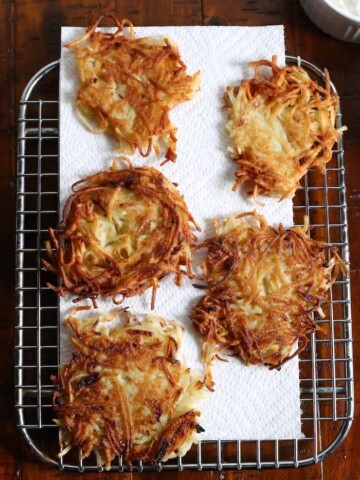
(160, 12)
(9, 446)
(38, 28)
(31, 38)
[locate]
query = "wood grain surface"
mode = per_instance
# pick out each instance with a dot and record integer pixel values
(29, 39)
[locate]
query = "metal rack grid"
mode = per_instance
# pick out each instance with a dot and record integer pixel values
(326, 366)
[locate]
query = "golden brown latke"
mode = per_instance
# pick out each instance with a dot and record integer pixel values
(280, 127)
(121, 232)
(263, 286)
(125, 392)
(128, 86)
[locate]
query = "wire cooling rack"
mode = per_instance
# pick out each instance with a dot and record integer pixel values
(326, 366)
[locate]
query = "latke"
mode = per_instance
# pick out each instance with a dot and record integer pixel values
(129, 85)
(125, 392)
(263, 286)
(122, 231)
(280, 127)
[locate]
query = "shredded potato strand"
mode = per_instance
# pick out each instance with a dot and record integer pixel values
(263, 286)
(122, 231)
(115, 397)
(280, 128)
(128, 86)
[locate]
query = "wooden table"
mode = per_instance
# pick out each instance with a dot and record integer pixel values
(30, 39)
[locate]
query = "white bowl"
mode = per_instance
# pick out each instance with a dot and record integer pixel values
(333, 20)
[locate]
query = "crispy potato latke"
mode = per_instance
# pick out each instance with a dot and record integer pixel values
(121, 232)
(263, 286)
(128, 86)
(125, 392)
(280, 127)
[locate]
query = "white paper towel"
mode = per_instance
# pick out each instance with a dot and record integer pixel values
(248, 402)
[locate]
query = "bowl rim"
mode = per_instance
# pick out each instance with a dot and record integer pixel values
(343, 13)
